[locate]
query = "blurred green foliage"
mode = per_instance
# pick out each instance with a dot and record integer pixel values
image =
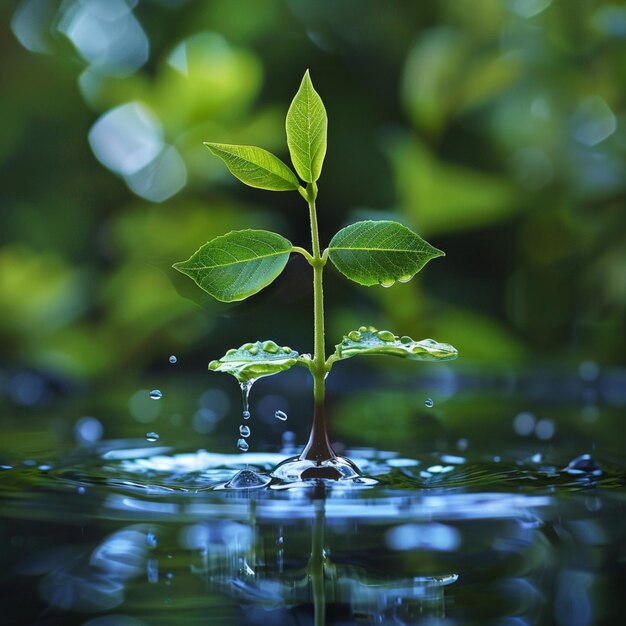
(493, 127)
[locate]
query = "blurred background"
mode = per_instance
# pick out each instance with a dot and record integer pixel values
(495, 128)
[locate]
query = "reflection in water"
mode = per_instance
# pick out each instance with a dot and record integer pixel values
(155, 532)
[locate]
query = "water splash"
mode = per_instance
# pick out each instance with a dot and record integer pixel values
(156, 394)
(281, 415)
(247, 479)
(584, 464)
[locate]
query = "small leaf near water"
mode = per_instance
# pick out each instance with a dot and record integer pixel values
(379, 252)
(237, 265)
(369, 340)
(255, 360)
(255, 167)
(307, 126)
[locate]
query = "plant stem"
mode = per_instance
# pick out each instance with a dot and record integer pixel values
(318, 447)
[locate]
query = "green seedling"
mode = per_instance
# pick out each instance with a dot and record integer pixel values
(239, 264)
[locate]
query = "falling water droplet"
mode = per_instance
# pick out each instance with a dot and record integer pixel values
(156, 394)
(244, 430)
(242, 444)
(428, 403)
(245, 393)
(173, 359)
(152, 436)
(281, 415)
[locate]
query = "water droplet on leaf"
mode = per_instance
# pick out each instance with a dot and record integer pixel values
(156, 394)
(152, 436)
(271, 347)
(354, 335)
(242, 444)
(281, 415)
(387, 282)
(405, 279)
(428, 403)
(244, 430)
(386, 335)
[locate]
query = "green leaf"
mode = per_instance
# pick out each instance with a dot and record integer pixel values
(255, 167)
(237, 265)
(307, 125)
(379, 253)
(255, 360)
(369, 340)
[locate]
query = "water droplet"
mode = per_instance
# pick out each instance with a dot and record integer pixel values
(245, 393)
(80, 490)
(213, 365)
(230, 352)
(271, 347)
(242, 444)
(406, 339)
(247, 346)
(152, 436)
(363, 329)
(151, 539)
(172, 359)
(287, 349)
(584, 464)
(428, 403)
(253, 350)
(244, 430)
(156, 394)
(386, 335)
(386, 282)
(354, 335)
(281, 415)
(405, 279)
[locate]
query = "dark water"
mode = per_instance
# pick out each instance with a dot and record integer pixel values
(129, 533)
